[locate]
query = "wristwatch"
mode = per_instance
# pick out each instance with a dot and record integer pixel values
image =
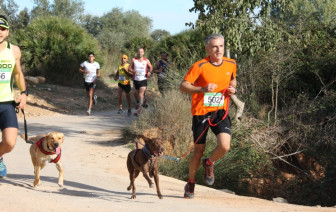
(24, 92)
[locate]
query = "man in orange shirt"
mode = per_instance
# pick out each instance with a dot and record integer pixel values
(205, 81)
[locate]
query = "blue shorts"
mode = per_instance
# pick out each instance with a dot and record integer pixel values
(7, 116)
(199, 125)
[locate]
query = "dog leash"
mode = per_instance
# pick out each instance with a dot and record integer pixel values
(17, 110)
(210, 122)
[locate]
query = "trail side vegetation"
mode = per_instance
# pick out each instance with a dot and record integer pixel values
(285, 143)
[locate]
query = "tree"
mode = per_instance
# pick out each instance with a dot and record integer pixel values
(9, 8)
(159, 34)
(53, 47)
(23, 19)
(115, 28)
(72, 9)
(41, 8)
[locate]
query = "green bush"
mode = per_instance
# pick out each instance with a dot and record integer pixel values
(54, 47)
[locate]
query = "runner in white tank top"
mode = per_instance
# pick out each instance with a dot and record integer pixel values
(141, 69)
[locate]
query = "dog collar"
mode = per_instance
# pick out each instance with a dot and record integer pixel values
(40, 146)
(147, 152)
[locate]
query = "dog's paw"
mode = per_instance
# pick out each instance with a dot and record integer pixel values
(160, 196)
(37, 183)
(151, 185)
(129, 188)
(133, 196)
(60, 184)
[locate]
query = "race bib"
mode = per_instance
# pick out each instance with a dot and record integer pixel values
(122, 77)
(5, 76)
(213, 100)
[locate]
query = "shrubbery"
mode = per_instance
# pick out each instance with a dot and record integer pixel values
(54, 47)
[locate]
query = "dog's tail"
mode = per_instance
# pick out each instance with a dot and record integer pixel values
(27, 141)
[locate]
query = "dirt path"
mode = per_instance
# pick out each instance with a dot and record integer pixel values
(96, 177)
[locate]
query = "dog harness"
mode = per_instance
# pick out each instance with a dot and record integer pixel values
(39, 145)
(148, 155)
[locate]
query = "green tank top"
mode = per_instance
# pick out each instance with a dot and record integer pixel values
(7, 63)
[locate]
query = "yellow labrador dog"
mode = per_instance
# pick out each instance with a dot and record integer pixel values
(46, 149)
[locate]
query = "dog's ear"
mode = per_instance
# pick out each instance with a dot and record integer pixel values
(143, 137)
(62, 135)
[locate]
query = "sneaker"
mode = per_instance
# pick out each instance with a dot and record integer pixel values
(88, 112)
(189, 190)
(95, 99)
(209, 177)
(120, 111)
(144, 104)
(3, 169)
(129, 112)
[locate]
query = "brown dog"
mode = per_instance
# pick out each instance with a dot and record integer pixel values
(46, 149)
(145, 160)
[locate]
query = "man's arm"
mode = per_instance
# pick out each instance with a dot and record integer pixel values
(232, 87)
(98, 73)
(150, 67)
(187, 87)
(130, 69)
(19, 77)
(156, 68)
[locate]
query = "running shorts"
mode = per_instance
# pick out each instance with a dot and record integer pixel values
(7, 116)
(200, 124)
(138, 84)
(126, 88)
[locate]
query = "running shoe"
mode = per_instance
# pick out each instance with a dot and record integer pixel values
(189, 190)
(3, 169)
(120, 111)
(129, 112)
(95, 99)
(144, 104)
(88, 112)
(209, 177)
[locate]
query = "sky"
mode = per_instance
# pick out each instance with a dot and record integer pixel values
(170, 15)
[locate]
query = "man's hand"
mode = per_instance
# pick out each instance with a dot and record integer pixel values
(209, 88)
(231, 90)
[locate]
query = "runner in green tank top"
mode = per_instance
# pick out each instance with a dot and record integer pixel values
(10, 71)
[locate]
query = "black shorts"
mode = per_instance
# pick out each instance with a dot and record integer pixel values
(7, 116)
(89, 85)
(126, 88)
(138, 84)
(199, 125)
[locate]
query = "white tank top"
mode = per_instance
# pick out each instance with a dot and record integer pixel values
(140, 69)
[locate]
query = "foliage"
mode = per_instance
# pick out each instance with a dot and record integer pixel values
(116, 28)
(72, 9)
(159, 34)
(237, 21)
(9, 8)
(184, 49)
(54, 47)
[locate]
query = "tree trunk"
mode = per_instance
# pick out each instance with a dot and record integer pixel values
(239, 104)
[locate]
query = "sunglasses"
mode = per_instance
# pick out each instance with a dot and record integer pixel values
(125, 58)
(3, 29)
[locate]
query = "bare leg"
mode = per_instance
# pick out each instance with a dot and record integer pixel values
(223, 146)
(8, 142)
(119, 97)
(195, 160)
